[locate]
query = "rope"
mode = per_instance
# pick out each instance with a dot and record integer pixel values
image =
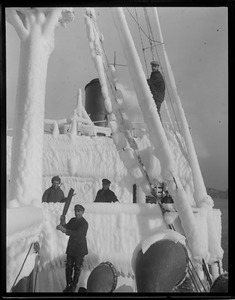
(197, 275)
(142, 44)
(151, 39)
(206, 272)
(154, 46)
(142, 28)
(167, 89)
(192, 276)
(149, 32)
(35, 281)
(21, 267)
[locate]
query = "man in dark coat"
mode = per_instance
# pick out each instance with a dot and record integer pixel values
(76, 229)
(167, 198)
(54, 193)
(157, 85)
(105, 194)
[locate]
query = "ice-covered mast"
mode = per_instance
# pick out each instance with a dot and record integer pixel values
(158, 138)
(199, 186)
(35, 28)
(200, 194)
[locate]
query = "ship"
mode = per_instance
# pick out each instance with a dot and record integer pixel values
(139, 245)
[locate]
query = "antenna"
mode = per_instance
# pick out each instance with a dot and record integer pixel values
(114, 62)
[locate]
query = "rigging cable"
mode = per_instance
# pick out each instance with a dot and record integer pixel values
(155, 46)
(151, 39)
(141, 27)
(190, 268)
(21, 267)
(142, 43)
(149, 33)
(171, 102)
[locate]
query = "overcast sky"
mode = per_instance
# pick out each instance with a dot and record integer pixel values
(196, 40)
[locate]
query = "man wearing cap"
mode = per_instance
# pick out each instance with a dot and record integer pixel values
(105, 194)
(157, 85)
(76, 229)
(54, 193)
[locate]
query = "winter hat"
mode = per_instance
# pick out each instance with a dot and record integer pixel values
(106, 181)
(56, 178)
(154, 63)
(79, 207)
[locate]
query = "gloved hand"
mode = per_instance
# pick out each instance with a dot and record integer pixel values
(61, 228)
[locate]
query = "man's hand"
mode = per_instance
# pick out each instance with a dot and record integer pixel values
(61, 228)
(64, 200)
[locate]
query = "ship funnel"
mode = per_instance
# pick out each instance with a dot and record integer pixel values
(94, 103)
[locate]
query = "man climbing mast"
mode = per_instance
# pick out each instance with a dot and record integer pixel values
(157, 85)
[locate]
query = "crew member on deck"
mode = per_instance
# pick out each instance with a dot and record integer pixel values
(105, 194)
(54, 193)
(157, 85)
(167, 198)
(76, 229)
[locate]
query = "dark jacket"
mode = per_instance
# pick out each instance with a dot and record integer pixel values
(157, 86)
(167, 199)
(106, 196)
(77, 243)
(53, 195)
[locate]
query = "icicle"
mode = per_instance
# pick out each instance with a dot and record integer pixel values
(79, 103)
(55, 129)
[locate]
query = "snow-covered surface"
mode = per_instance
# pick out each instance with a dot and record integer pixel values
(116, 232)
(82, 161)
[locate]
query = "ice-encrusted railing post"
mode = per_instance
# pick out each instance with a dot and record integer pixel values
(35, 28)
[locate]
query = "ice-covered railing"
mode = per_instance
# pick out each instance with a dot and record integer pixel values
(78, 122)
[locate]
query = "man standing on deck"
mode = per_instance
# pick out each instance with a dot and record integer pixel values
(54, 193)
(105, 194)
(76, 229)
(157, 85)
(167, 198)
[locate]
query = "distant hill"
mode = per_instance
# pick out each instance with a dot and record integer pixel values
(217, 193)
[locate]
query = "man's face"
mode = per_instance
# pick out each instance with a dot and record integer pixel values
(78, 213)
(154, 68)
(105, 186)
(55, 184)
